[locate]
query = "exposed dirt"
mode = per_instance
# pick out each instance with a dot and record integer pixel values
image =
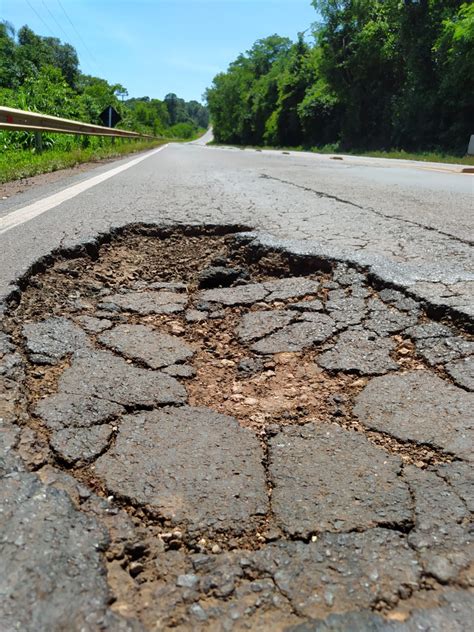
(263, 392)
(288, 388)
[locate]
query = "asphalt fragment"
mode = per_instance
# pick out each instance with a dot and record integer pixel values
(282, 512)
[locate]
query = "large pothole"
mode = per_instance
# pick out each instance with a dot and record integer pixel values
(257, 431)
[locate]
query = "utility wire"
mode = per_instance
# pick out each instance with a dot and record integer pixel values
(39, 17)
(67, 36)
(77, 32)
(55, 21)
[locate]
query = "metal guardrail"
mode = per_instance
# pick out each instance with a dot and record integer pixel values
(21, 120)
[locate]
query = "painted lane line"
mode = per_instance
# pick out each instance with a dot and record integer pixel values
(25, 214)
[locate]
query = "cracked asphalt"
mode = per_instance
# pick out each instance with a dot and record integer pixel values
(411, 226)
(249, 410)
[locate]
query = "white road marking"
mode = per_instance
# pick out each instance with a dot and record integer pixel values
(22, 215)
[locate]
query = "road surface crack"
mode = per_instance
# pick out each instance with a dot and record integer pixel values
(368, 209)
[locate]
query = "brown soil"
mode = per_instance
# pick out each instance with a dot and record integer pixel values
(290, 388)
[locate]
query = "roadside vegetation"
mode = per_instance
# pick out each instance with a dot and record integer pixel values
(24, 164)
(422, 156)
(41, 74)
(374, 75)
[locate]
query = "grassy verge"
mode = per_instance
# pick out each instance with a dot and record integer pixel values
(16, 164)
(396, 154)
(423, 156)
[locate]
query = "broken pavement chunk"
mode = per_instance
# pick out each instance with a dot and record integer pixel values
(255, 325)
(462, 372)
(293, 287)
(80, 444)
(145, 303)
(240, 295)
(419, 407)
(65, 410)
(51, 340)
(139, 342)
(102, 374)
(326, 478)
(190, 465)
(360, 352)
(297, 336)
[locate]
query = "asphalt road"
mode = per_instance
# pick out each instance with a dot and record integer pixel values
(411, 224)
(285, 453)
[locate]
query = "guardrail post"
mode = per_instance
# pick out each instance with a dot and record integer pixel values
(38, 142)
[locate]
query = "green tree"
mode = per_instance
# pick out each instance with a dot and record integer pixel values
(454, 50)
(49, 93)
(284, 126)
(226, 99)
(8, 57)
(360, 65)
(242, 99)
(320, 109)
(176, 109)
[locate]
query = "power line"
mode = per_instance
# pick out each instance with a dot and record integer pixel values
(39, 17)
(77, 32)
(54, 20)
(66, 35)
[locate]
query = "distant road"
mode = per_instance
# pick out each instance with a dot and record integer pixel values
(411, 223)
(205, 138)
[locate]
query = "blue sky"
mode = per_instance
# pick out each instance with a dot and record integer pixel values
(154, 47)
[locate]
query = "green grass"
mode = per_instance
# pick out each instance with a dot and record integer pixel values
(24, 163)
(397, 154)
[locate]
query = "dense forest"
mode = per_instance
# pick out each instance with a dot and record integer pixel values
(377, 74)
(42, 74)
